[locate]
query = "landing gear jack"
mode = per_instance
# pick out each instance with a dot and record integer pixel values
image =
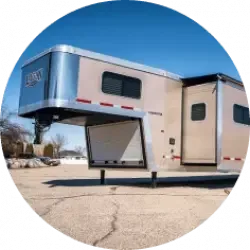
(154, 179)
(102, 175)
(42, 124)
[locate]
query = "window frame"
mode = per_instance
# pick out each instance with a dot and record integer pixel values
(244, 110)
(123, 78)
(205, 111)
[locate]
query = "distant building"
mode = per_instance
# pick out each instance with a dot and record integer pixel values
(71, 154)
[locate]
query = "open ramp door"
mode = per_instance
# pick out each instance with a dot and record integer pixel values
(116, 145)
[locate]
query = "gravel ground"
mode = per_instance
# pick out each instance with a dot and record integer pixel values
(126, 213)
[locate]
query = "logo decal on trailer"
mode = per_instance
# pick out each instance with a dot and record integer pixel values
(33, 78)
(155, 113)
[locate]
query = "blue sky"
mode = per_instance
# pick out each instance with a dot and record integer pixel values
(135, 31)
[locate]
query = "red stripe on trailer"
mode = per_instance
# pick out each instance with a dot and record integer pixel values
(227, 158)
(106, 104)
(238, 159)
(83, 100)
(176, 157)
(127, 107)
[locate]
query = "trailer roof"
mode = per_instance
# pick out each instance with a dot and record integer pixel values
(210, 78)
(104, 58)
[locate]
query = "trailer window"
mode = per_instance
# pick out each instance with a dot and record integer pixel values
(116, 84)
(241, 114)
(198, 112)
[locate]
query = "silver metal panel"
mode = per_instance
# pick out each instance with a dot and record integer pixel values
(226, 167)
(81, 107)
(219, 120)
(52, 76)
(151, 164)
(63, 76)
(33, 87)
(105, 58)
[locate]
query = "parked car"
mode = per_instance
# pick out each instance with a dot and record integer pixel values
(49, 161)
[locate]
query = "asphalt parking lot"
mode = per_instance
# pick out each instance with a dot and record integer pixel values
(126, 213)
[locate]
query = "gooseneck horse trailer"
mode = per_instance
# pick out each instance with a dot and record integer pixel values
(135, 116)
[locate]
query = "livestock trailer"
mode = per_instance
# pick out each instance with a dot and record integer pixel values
(135, 116)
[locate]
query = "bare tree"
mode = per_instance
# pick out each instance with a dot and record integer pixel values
(58, 142)
(80, 150)
(11, 133)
